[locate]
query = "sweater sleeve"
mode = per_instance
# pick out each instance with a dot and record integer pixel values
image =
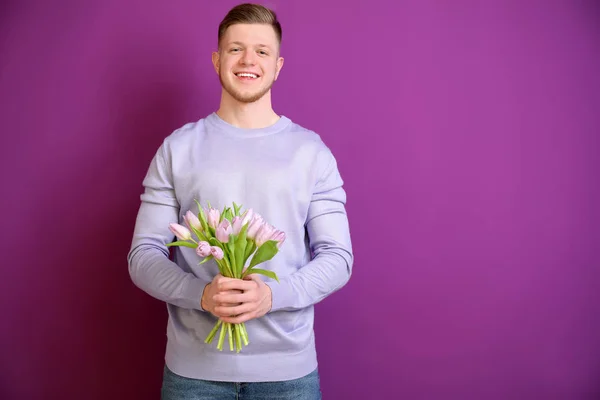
(149, 265)
(329, 237)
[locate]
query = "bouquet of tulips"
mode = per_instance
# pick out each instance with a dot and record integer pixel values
(238, 242)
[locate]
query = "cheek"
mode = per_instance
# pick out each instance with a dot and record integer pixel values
(225, 65)
(272, 70)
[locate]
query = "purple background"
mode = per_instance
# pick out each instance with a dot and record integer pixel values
(467, 135)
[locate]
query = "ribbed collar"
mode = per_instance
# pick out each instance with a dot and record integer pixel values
(215, 122)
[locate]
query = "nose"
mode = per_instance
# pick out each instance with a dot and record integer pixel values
(248, 58)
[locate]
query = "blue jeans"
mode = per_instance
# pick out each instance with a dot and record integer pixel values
(175, 387)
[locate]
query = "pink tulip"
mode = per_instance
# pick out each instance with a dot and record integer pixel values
(180, 231)
(279, 237)
(217, 252)
(255, 225)
(213, 216)
(192, 221)
(265, 233)
(247, 216)
(203, 249)
(224, 229)
(236, 224)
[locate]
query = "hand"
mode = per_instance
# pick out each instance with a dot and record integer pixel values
(240, 300)
(207, 303)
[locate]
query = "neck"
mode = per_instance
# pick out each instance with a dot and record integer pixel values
(255, 115)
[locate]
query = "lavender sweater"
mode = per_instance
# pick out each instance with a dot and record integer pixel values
(289, 176)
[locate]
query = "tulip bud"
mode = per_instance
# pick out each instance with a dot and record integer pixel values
(279, 237)
(203, 249)
(223, 231)
(236, 224)
(213, 217)
(217, 252)
(247, 216)
(264, 233)
(192, 221)
(180, 231)
(255, 225)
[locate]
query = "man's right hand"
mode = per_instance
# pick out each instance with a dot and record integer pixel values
(208, 304)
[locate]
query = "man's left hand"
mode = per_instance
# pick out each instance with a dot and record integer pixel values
(254, 301)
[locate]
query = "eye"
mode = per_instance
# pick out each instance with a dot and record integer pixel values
(235, 50)
(263, 53)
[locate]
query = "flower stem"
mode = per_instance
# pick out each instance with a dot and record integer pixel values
(244, 334)
(238, 337)
(230, 332)
(212, 333)
(235, 336)
(221, 337)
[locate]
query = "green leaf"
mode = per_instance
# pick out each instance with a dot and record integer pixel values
(228, 271)
(200, 209)
(182, 243)
(223, 213)
(240, 248)
(236, 209)
(249, 250)
(202, 218)
(232, 255)
(207, 258)
(227, 214)
(214, 242)
(225, 266)
(199, 234)
(264, 272)
(222, 267)
(264, 253)
(211, 232)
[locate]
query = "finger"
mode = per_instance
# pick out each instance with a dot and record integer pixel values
(229, 292)
(224, 310)
(235, 311)
(236, 284)
(220, 279)
(234, 298)
(238, 319)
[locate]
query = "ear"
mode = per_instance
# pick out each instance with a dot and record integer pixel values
(279, 66)
(215, 61)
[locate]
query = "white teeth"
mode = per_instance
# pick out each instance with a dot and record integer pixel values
(247, 75)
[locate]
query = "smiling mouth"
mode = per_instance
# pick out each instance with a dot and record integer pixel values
(246, 75)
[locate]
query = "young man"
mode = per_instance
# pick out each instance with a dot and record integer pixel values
(244, 153)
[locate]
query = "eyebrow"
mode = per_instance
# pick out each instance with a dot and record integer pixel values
(258, 45)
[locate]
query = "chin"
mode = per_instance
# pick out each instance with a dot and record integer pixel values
(248, 97)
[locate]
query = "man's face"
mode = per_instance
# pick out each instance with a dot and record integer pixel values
(248, 61)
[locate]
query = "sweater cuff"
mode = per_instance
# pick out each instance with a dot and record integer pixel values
(192, 294)
(282, 294)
